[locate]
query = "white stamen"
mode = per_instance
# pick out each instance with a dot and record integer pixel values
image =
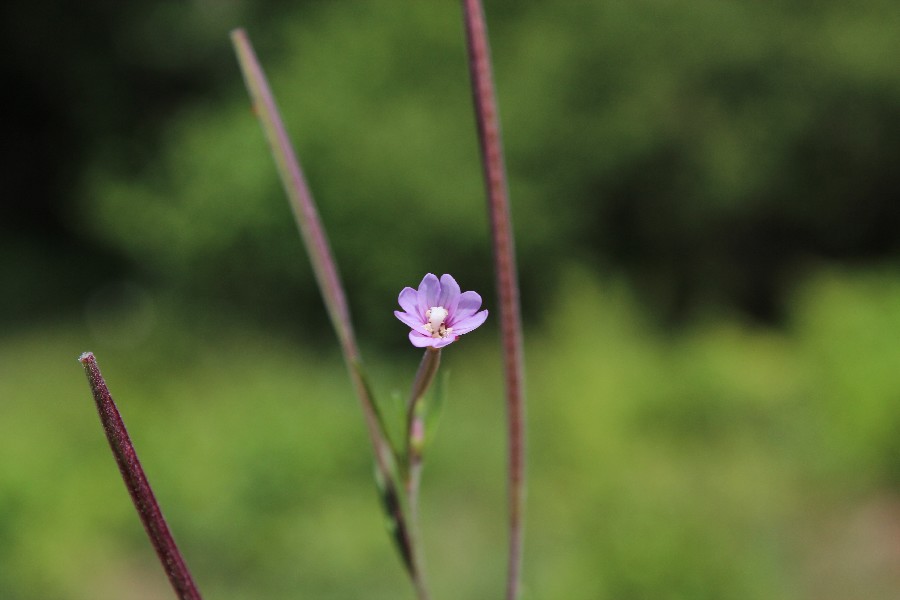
(436, 316)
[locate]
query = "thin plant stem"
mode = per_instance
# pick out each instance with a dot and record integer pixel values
(505, 272)
(137, 484)
(329, 281)
(311, 230)
(428, 368)
(415, 442)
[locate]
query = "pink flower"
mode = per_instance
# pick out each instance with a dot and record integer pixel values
(437, 313)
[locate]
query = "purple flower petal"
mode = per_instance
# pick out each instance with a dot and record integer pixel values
(412, 321)
(462, 311)
(441, 342)
(469, 303)
(421, 341)
(449, 297)
(409, 301)
(469, 323)
(429, 290)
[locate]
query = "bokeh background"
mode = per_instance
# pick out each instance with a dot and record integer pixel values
(705, 195)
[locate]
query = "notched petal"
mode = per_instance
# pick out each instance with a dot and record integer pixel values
(429, 290)
(409, 300)
(469, 323)
(411, 321)
(441, 342)
(469, 303)
(421, 341)
(449, 297)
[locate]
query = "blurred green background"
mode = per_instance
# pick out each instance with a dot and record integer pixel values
(706, 204)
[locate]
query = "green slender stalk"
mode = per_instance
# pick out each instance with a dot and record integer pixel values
(137, 484)
(415, 443)
(505, 272)
(329, 281)
(415, 422)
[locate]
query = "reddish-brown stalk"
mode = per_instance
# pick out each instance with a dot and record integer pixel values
(137, 484)
(505, 273)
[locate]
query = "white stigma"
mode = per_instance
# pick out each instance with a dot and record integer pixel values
(436, 316)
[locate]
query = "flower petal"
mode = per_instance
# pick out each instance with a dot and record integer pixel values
(412, 321)
(449, 297)
(441, 342)
(421, 341)
(409, 301)
(469, 323)
(469, 303)
(429, 290)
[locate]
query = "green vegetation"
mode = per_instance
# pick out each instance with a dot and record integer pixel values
(705, 196)
(723, 462)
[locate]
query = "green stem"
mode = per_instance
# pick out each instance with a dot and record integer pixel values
(415, 442)
(327, 276)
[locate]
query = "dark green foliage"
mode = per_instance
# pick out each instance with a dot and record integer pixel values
(706, 150)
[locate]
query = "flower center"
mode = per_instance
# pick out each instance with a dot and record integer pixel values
(436, 316)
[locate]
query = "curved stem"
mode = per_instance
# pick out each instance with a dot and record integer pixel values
(505, 272)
